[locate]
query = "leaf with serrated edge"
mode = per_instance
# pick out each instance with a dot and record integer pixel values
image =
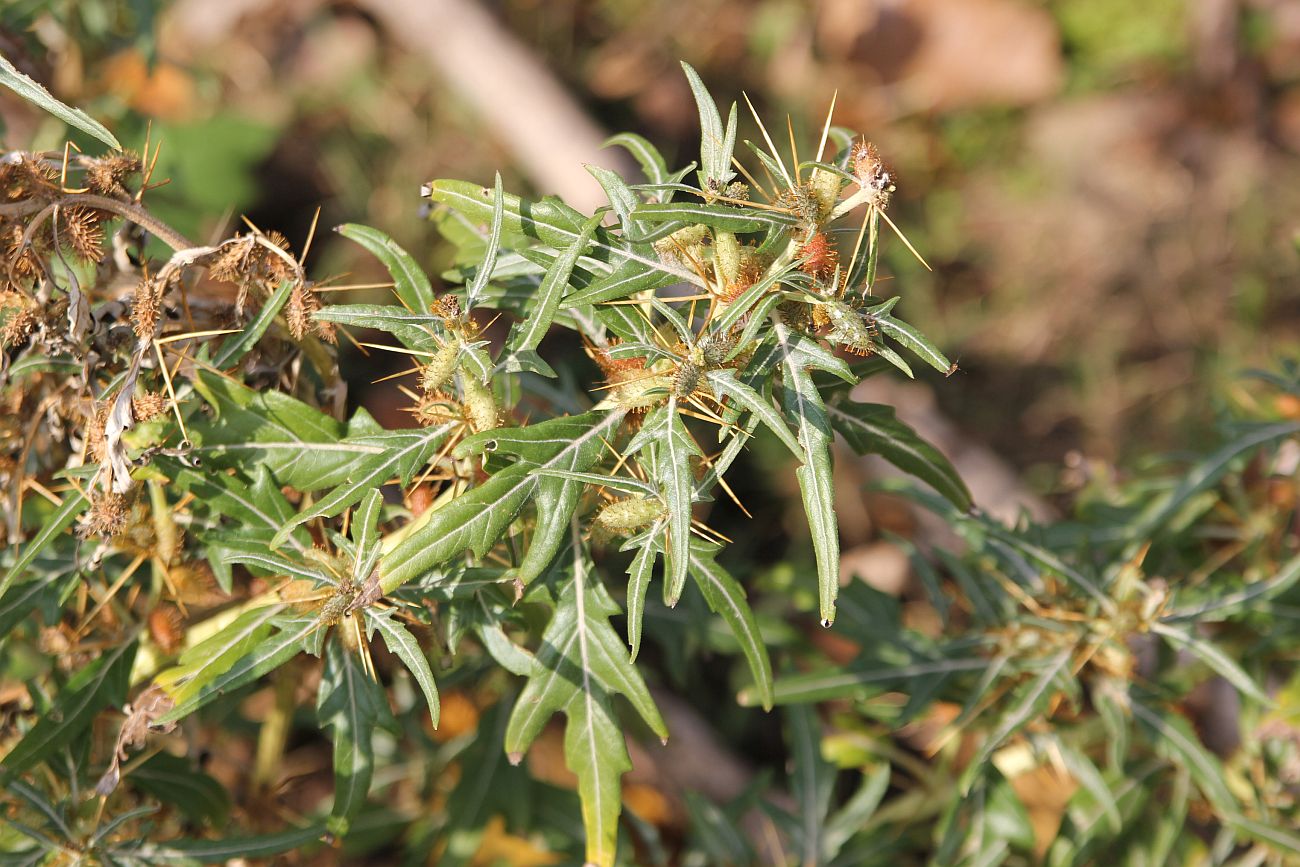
(477, 518)
(804, 405)
(582, 664)
(403, 645)
(674, 446)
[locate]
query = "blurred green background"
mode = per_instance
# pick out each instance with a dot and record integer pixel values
(1107, 190)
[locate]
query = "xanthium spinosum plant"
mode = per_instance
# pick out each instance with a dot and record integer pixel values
(179, 446)
(190, 438)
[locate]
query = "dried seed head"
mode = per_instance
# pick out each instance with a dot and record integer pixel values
(167, 628)
(107, 517)
(82, 230)
(107, 175)
(20, 318)
(436, 408)
(447, 307)
(298, 312)
(146, 307)
(147, 406)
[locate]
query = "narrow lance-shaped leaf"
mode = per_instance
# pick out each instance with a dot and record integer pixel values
(552, 226)
(74, 503)
(715, 144)
(725, 384)
(538, 320)
(652, 162)
(1215, 658)
(915, 341)
(402, 644)
(725, 218)
(673, 448)
(638, 573)
(31, 91)
(260, 658)
(582, 665)
(238, 345)
(484, 273)
(726, 597)
(1030, 702)
(409, 280)
(228, 848)
(803, 404)
(368, 474)
(351, 704)
(871, 428)
(365, 535)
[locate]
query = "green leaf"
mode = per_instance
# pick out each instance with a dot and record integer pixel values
(1201, 476)
(724, 218)
(812, 782)
(857, 681)
(1224, 605)
(871, 428)
(639, 573)
(621, 197)
(1175, 738)
(716, 145)
(538, 320)
(74, 503)
(176, 781)
(352, 704)
(582, 665)
(413, 330)
(39, 96)
(673, 447)
(725, 384)
(240, 654)
(101, 683)
(484, 272)
(629, 278)
(556, 227)
(237, 346)
(228, 848)
(915, 341)
(803, 405)
(370, 473)
(726, 597)
(409, 280)
(402, 644)
(476, 519)
(652, 162)
(1030, 703)
(1215, 658)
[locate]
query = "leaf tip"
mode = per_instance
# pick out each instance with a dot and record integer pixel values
(515, 758)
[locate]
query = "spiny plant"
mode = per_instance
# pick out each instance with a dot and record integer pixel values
(199, 436)
(188, 512)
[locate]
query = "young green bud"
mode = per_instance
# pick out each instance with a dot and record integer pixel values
(479, 404)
